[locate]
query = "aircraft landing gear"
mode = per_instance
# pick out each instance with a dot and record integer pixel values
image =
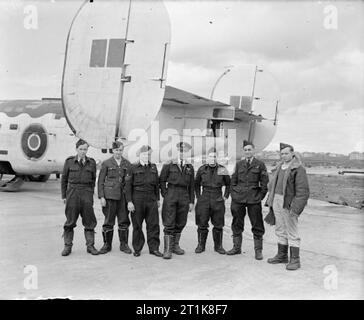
(38, 178)
(12, 185)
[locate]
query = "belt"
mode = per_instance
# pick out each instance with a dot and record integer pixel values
(251, 186)
(177, 186)
(211, 189)
(140, 190)
(79, 185)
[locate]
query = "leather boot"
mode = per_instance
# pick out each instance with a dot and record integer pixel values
(237, 240)
(156, 253)
(167, 254)
(217, 235)
(107, 235)
(281, 256)
(258, 248)
(175, 244)
(294, 261)
(68, 238)
(123, 237)
(201, 238)
(90, 241)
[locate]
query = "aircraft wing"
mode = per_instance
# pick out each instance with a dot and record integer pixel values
(242, 115)
(173, 97)
(178, 97)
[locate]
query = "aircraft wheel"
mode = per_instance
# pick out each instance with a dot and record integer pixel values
(39, 178)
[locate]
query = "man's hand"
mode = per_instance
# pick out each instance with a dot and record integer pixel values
(131, 207)
(158, 203)
(225, 198)
(190, 207)
(103, 202)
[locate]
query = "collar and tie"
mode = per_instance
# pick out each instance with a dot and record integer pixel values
(144, 165)
(182, 165)
(118, 162)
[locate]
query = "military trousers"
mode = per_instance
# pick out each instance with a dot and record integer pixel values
(146, 208)
(115, 209)
(210, 206)
(286, 227)
(239, 210)
(175, 209)
(79, 201)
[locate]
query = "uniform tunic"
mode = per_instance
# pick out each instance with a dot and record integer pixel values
(77, 187)
(210, 204)
(142, 188)
(248, 188)
(111, 186)
(177, 189)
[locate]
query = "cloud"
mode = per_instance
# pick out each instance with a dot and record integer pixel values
(312, 129)
(289, 31)
(316, 73)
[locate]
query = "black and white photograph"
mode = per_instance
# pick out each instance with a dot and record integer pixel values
(163, 150)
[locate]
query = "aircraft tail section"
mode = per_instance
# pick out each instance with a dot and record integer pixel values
(115, 68)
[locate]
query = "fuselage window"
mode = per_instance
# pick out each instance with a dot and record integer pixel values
(13, 126)
(104, 150)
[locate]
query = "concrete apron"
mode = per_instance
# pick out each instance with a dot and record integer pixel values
(32, 267)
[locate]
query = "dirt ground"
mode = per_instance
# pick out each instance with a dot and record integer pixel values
(338, 189)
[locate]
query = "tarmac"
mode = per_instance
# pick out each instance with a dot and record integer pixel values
(31, 265)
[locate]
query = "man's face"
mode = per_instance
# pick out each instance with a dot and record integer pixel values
(144, 157)
(82, 150)
(248, 151)
(118, 152)
(211, 159)
(286, 154)
(182, 153)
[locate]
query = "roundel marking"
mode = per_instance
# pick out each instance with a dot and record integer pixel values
(34, 141)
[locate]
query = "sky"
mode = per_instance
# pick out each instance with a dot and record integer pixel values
(311, 54)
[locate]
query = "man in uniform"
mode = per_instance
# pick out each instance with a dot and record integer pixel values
(111, 185)
(177, 189)
(288, 195)
(142, 194)
(248, 188)
(77, 187)
(211, 204)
